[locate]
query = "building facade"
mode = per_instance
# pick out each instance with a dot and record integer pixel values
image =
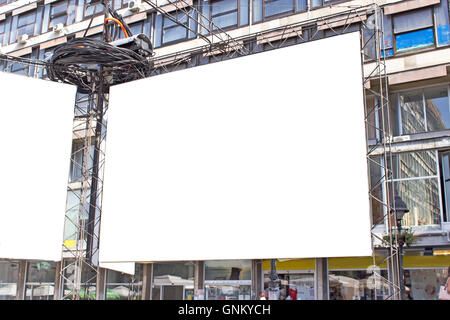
(416, 49)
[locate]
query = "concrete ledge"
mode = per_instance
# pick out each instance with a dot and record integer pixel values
(416, 75)
(408, 5)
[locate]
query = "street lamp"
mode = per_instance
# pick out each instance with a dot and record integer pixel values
(400, 209)
(274, 283)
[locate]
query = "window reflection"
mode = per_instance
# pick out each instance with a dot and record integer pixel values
(421, 110)
(421, 196)
(424, 284)
(411, 105)
(173, 280)
(9, 271)
(293, 286)
(437, 109)
(228, 280)
(122, 286)
(40, 284)
(358, 285)
(414, 164)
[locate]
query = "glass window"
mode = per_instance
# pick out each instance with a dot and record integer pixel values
(40, 283)
(293, 286)
(25, 24)
(2, 31)
(441, 12)
(424, 284)
(316, 4)
(358, 285)
(437, 108)
(9, 271)
(173, 280)
(412, 115)
(224, 14)
(228, 280)
(413, 29)
(420, 110)
(122, 286)
(417, 183)
(120, 3)
(88, 281)
(274, 7)
(168, 31)
(45, 55)
(93, 9)
(21, 68)
(421, 197)
(58, 13)
(445, 180)
(376, 190)
(414, 164)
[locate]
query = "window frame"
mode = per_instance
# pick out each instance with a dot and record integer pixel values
(35, 12)
(414, 50)
(95, 14)
(237, 10)
(421, 91)
(163, 29)
(51, 16)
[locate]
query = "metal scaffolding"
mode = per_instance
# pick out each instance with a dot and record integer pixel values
(80, 267)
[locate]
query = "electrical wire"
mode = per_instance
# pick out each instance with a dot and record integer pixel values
(119, 23)
(79, 60)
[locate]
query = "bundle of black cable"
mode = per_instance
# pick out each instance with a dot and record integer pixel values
(80, 60)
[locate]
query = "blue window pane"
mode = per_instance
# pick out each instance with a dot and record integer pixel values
(414, 40)
(158, 31)
(387, 53)
(316, 3)
(61, 19)
(173, 34)
(243, 14)
(443, 34)
(225, 20)
(301, 5)
(29, 30)
(257, 10)
(223, 6)
(279, 6)
(181, 17)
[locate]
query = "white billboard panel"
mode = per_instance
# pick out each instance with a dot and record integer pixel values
(35, 141)
(262, 156)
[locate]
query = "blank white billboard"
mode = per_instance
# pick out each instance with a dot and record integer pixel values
(262, 156)
(35, 142)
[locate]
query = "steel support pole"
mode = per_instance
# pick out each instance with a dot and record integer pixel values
(321, 291)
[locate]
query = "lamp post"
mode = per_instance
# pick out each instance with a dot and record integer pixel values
(400, 209)
(274, 283)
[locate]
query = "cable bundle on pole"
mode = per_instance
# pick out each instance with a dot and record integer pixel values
(78, 61)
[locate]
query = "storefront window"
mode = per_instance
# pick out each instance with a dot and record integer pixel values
(424, 284)
(9, 271)
(173, 280)
(88, 281)
(293, 286)
(122, 286)
(40, 284)
(228, 280)
(358, 285)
